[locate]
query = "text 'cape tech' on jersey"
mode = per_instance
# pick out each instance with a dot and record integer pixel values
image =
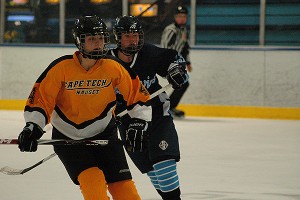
(69, 96)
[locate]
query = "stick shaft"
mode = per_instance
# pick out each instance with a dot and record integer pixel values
(151, 97)
(11, 171)
(59, 142)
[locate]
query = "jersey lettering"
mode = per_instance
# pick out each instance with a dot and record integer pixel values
(71, 85)
(87, 91)
(147, 83)
(86, 87)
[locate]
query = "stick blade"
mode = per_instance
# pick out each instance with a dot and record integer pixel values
(10, 171)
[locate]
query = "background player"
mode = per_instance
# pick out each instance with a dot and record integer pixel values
(160, 152)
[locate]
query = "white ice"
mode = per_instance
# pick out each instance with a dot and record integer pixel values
(222, 159)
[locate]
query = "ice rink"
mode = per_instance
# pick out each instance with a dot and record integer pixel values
(222, 159)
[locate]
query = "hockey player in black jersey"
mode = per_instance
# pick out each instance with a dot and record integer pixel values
(157, 152)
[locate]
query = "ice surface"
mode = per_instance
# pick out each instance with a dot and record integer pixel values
(222, 159)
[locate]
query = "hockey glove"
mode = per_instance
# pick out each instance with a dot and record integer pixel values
(136, 135)
(27, 139)
(177, 75)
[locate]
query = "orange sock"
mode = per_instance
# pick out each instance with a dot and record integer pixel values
(92, 184)
(123, 190)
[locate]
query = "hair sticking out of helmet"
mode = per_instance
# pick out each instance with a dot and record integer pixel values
(181, 9)
(91, 26)
(127, 25)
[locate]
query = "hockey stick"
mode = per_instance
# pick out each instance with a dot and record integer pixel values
(11, 171)
(154, 94)
(161, 90)
(59, 142)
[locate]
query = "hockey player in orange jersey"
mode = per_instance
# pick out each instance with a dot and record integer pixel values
(76, 94)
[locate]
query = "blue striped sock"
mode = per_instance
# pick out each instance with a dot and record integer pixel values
(166, 174)
(153, 179)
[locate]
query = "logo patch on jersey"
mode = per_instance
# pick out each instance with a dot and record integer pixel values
(32, 95)
(163, 145)
(87, 87)
(143, 90)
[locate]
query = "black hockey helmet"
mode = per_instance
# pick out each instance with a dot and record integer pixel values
(181, 9)
(90, 25)
(128, 24)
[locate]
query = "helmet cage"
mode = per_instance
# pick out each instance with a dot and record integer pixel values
(91, 26)
(95, 53)
(127, 25)
(131, 49)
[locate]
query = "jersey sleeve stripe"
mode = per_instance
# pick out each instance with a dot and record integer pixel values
(55, 62)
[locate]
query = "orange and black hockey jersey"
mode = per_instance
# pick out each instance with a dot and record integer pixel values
(80, 103)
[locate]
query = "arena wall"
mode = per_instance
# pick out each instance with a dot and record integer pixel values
(238, 82)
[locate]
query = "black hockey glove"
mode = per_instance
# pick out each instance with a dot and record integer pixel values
(177, 75)
(27, 139)
(136, 135)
